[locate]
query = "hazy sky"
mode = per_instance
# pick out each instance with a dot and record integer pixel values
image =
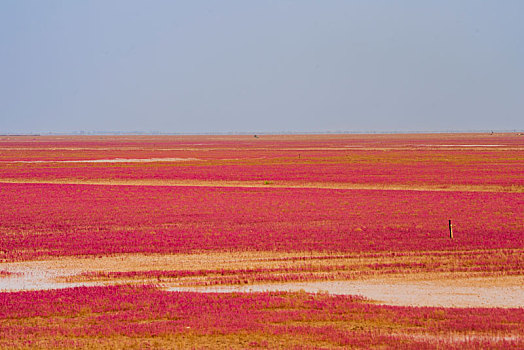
(265, 66)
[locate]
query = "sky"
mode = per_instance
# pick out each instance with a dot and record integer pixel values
(261, 66)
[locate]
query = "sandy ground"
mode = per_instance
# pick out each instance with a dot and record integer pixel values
(444, 293)
(407, 290)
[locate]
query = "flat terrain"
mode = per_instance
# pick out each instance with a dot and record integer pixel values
(406, 288)
(339, 214)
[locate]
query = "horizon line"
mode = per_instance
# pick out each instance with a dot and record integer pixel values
(341, 132)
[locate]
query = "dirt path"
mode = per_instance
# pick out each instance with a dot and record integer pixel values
(410, 290)
(275, 184)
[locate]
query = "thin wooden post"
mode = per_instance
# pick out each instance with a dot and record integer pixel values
(450, 230)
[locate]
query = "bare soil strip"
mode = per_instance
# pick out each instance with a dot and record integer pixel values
(276, 184)
(114, 160)
(421, 289)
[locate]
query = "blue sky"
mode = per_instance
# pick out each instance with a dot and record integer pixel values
(261, 66)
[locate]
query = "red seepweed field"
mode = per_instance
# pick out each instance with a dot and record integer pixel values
(123, 238)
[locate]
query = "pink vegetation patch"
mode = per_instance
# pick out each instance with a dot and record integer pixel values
(57, 220)
(82, 315)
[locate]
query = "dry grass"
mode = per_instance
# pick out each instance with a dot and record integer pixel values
(263, 260)
(457, 268)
